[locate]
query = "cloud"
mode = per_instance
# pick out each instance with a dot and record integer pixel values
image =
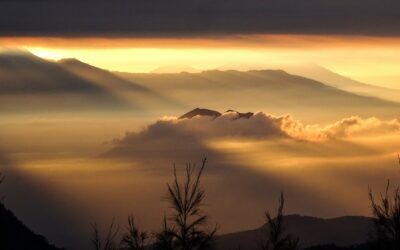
(358, 126)
(185, 137)
(172, 132)
(177, 18)
(348, 127)
(253, 159)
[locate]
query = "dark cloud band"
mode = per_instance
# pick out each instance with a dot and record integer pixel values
(187, 18)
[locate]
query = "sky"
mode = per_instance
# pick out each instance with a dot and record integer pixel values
(355, 38)
(191, 18)
(373, 60)
(315, 163)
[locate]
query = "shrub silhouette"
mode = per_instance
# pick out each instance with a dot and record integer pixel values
(134, 239)
(165, 238)
(276, 238)
(386, 212)
(187, 230)
(109, 242)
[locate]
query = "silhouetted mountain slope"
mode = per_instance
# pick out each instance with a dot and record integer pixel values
(124, 89)
(272, 90)
(31, 83)
(24, 73)
(14, 235)
(342, 231)
(101, 77)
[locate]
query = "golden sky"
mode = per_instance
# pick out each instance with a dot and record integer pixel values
(374, 60)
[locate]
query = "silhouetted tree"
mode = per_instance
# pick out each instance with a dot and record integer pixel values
(134, 239)
(109, 242)
(187, 231)
(276, 238)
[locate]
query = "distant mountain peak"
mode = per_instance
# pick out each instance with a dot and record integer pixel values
(215, 114)
(175, 69)
(15, 52)
(200, 112)
(69, 60)
(75, 62)
(240, 115)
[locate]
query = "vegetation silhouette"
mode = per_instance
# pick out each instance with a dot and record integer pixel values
(276, 237)
(164, 238)
(134, 239)
(386, 212)
(109, 242)
(187, 229)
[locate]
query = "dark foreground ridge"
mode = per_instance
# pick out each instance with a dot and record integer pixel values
(336, 233)
(14, 235)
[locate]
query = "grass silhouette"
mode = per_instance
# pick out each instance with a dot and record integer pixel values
(188, 223)
(276, 237)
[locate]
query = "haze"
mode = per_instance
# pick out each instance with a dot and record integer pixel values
(97, 104)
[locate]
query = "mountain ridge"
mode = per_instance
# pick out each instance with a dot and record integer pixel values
(341, 231)
(274, 90)
(67, 85)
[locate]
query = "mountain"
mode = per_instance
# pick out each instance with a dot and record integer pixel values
(30, 83)
(200, 112)
(101, 77)
(215, 114)
(14, 235)
(127, 90)
(175, 69)
(23, 73)
(333, 79)
(342, 231)
(274, 90)
(240, 115)
(328, 77)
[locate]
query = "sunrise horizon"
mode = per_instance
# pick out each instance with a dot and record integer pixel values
(199, 125)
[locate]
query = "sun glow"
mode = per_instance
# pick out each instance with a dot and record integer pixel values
(369, 60)
(46, 53)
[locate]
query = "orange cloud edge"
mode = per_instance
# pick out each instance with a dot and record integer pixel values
(238, 41)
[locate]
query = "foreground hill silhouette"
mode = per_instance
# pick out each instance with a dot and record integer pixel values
(14, 235)
(342, 232)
